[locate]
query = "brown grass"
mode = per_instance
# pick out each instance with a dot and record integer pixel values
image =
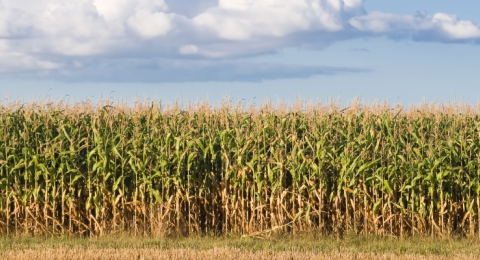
(286, 247)
(214, 254)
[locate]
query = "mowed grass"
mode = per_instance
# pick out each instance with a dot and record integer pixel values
(276, 247)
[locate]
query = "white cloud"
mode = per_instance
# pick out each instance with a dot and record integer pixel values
(455, 28)
(439, 27)
(378, 22)
(122, 9)
(59, 36)
(244, 19)
(150, 25)
(112, 10)
(353, 4)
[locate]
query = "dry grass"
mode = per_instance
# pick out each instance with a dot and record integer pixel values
(287, 247)
(214, 254)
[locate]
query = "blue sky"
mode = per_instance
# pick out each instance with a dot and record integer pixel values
(281, 49)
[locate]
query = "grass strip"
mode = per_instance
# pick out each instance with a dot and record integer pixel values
(352, 244)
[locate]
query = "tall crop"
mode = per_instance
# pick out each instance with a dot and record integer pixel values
(154, 169)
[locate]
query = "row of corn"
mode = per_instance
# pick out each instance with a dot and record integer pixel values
(204, 168)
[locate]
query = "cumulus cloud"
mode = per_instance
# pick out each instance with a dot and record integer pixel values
(245, 19)
(150, 25)
(439, 27)
(84, 38)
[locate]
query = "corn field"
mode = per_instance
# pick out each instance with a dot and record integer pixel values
(204, 168)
